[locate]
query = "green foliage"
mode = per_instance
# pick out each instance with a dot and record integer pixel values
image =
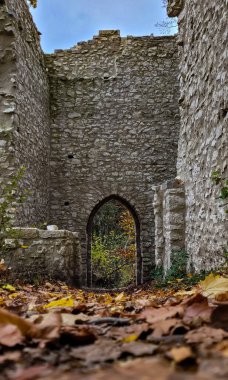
(113, 246)
(7, 202)
(177, 274)
(219, 180)
(110, 269)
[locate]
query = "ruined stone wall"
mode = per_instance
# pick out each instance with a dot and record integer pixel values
(169, 210)
(7, 92)
(114, 131)
(36, 255)
(203, 144)
(24, 107)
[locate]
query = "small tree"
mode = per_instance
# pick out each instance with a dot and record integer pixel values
(33, 3)
(168, 25)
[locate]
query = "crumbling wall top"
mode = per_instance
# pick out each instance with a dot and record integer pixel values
(174, 7)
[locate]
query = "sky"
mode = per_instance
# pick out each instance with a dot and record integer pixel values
(63, 23)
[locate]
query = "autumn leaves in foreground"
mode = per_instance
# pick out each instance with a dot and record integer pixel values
(56, 332)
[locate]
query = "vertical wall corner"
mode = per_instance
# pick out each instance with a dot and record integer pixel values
(169, 209)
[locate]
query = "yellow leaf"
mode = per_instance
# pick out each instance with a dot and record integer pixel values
(26, 328)
(24, 246)
(64, 302)
(9, 287)
(213, 285)
(13, 295)
(121, 297)
(185, 292)
(2, 301)
(130, 338)
(108, 299)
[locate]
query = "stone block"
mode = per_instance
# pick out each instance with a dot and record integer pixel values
(25, 233)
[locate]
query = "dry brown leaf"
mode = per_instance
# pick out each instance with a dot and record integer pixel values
(197, 313)
(164, 327)
(71, 319)
(223, 348)
(152, 315)
(33, 373)
(49, 326)
(10, 335)
(10, 356)
(179, 354)
(222, 297)
(206, 335)
(26, 328)
(78, 335)
(213, 286)
(219, 317)
(139, 349)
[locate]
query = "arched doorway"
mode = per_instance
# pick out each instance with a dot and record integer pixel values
(113, 244)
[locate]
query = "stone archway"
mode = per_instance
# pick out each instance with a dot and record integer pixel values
(131, 209)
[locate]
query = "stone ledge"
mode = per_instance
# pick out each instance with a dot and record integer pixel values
(26, 233)
(34, 233)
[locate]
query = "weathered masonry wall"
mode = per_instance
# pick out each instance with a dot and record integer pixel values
(24, 106)
(38, 255)
(114, 131)
(169, 210)
(7, 92)
(203, 144)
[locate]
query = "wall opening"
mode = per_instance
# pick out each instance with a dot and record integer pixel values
(113, 245)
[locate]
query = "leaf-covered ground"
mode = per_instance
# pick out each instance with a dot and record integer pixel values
(57, 332)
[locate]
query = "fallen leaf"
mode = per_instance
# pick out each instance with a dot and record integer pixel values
(25, 327)
(206, 335)
(49, 326)
(152, 315)
(10, 335)
(130, 338)
(219, 317)
(78, 335)
(100, 352)
(10, 356)
(163, 327)
(183, 293)
(222, 297)
(197, 313)
(64, 302)
(138, 349)
(33, 373)
(223, 348)
(179, 354)
(121, 297)
(213, 285)
(71, 319)
(9, 287)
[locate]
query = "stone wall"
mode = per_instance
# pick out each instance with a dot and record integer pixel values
(203, 140)
(169, 210)
(36, 255)
(24, 108)
(7, 92)
(115, 125)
